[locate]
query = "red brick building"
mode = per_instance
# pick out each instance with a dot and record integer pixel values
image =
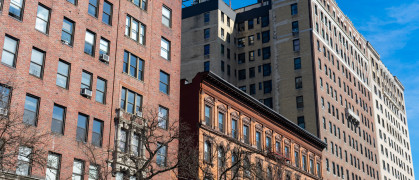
(69, 65)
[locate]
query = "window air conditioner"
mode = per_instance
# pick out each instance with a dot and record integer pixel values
(86, 92)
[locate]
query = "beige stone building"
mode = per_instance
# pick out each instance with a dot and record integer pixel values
(302, 58)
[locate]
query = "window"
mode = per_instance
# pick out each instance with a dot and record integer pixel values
(131, 102)
(164, 82)
(89, 43)
(297, 63)
(300, 102)
(206, 66)
(241, 58)
(9, 54)
(240, 26)
(295, 27)
(133, 66)
(246, 134)
(265, 36)
(42, 19)
(161, 155)
(304, 159)
(82, 125)
(104, 47)
(97, 133)
(136, 145)
(24, 161)
(37, 63)
(266, 51)
(242, 74)
(252, 72)
(251, 40)
(265, 21)
(93, 172)
(16, 9)
(267, 86)
(4, 97)
(298, 82)
(266, 70)
(30, 115)
(67, 33)
(258, 141)
(207, 33)
(250, 24)
(207, 17)
(268, 144)
(243, 88)
(107, 13)
(294, 9)
(206, 49)
(297, 158)
(277, 146)
(100, 90)
(234, 128)
(72, 1)
(208, 115)
(167, 16)
(63, 73)
(135, 29)
(240, 42)
(86, 80)
(268, 102)
(163, 117)
(92, 10)
(251, 55)
(221, 157)
(165, 49)
(221, 120)
(78, 169)
(222, 66)
(296, 45)
(140, 3)
(53, 166)
(58, 116)
(301, 122)
(123, 140)
(207, 152)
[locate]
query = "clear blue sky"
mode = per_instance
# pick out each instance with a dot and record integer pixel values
(392, 27)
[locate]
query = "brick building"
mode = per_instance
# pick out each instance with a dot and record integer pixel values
(72, 67)
(225, 122)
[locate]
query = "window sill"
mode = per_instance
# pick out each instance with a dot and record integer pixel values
(69, 45)
(142, 81)
(8, 65)
(40, 78)
(61, 87)
(94, 16)
(91, 55)
(17, 19)
(46, 34)
(135, 41)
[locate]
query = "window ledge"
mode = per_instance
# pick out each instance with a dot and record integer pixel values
(142, 81)
(46, 34)
(8, 66)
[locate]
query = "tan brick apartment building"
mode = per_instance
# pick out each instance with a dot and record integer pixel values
(70, 65)
(305, 60)
(224, 120)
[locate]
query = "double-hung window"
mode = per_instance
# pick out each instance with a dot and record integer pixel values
(86, 80)
(234, 128)
(133, 66)
(9, 54)
(53, 166)
(93, 5)
(89, 43)
(30, 114)
(208, 115)
(63, 74)
(24, 161)
(294, 9)
(123, 140)
(67, 32)
(16, 8)
(131, 102)
(161, 155)
(136, 145)
(78, 169)
(100, 90)
(163, 117)
(140, 3)
(296, 45)
(164, 82)
(107, 13)
(42, 19)
(97, 133)
(37, 63)
(300, 102)
(246, 134)
(93, 172)
(258, 140)
(58, 118)
(221, 122)
(4, 97)
(104, 47)
(167, 16)
(135, 29)
(82, 125)
(165, 49)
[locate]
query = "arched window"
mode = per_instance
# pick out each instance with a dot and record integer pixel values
(207, 151)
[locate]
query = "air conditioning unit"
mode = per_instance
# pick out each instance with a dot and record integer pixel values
(3, 111)
(139, 113)
(86, 92)
(104, 57)
(65, 42)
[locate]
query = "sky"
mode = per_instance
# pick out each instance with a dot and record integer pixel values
(392, 27)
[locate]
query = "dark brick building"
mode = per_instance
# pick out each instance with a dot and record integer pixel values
(70, 64)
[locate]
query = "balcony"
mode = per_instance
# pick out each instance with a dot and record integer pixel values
(352, 117)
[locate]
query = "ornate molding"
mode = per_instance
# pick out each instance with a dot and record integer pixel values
(209, 100)
(222, 108)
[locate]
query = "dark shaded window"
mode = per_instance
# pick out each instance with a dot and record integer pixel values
(221, 122)
(267, 86)
(234, 132)
(251, 55)
(265, 21)
(222, 66)
(243, 88)
(300, 102)
(266, 51)
(250, 24)
(207, 33)
(294, 9)
(251, 40)
(295, 27)
(240, 26)
(133, 65)
(301, 122)
(164, 82)
(246, 134)
(268, 102)
(252, 89)
(298, 82)
(207, 17)
(82, 124)
(206, 66)
(297, 63)
(266, 70)
(241, 58)
(242, 74)
(206, 49)
(208, 115)
(258, 141)
(265, 36)
(58, 118)
(296, 45)
(30, 114)
(240, 42)
(252, 72)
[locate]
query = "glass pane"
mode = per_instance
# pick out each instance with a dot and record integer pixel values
(107, 7)
(92, 10)
(166, 12)
(41, 25)
(63, 68)
(164, 44)
(93, 172)
(90, 37)
(97, 126)
(31, 103)
(78, 167)
(58, 113)
(131, 97)
(104, 46)
(66, 37)
(57, 126)
(51, 174)
(35, 70)
(81, 134)
(138, 102)
(53, 160)
(68, 26)
(164, 54)
(37, 57)
(10, 44)
(43, 13)
(61, 81)
(163, 87)
(7, 58)
(15, 10)
(99, 97)
(164, 78)
(86, 78)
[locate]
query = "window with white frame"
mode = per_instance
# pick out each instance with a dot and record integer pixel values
(165, 49)
(167, 16)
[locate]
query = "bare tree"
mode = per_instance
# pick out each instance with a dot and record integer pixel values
(21, 145)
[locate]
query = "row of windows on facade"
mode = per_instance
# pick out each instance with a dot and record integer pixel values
(245, 130)
(395, 160)
(339, 171)
(393, 144)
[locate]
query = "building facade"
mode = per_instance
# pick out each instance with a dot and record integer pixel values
(226, 122)
(79, 69)
(395, 156)
(305, 60)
